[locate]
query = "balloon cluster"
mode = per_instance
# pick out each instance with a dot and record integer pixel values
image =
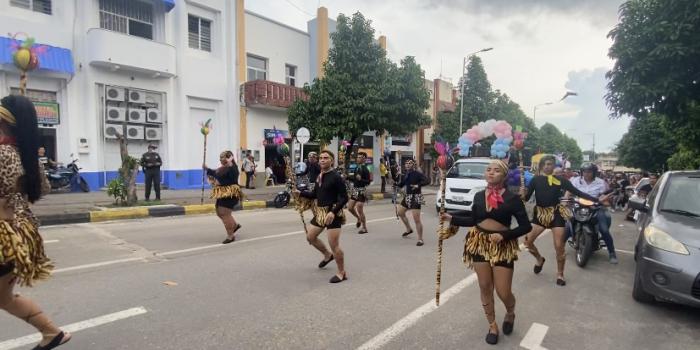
(205, 127)
(26, 54)
(513, 178)
(444, 160)
(500, 128)
(278, 139)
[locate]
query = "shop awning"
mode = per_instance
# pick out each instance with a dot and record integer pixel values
(54, 59)
(169, 4)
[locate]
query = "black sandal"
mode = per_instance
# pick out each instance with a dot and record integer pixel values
(538, 268)
(362, 232)
(508, 327)
(491, 338)
(229, 240)
(407, 233)
(561, 281)
(420, 243)
(358, 224)
(336, 279)
(238, 227)
(55, 342)
(323, 263)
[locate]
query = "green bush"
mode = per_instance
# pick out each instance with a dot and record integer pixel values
(117, 189)
(684, 159)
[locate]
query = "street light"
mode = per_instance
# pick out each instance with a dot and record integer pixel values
(461, 94)
(534, 110)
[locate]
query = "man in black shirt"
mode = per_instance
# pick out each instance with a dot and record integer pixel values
(331, 196)
(151, 162)
(360, 179)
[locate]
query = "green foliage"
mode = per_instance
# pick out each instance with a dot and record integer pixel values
(684, 159)
(656, 47)
(361, 90)
(551, 140)
(117, 189)
(478, 97)
(648, 144)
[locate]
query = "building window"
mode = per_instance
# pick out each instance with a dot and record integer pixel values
(291, 73)
(43, 6)
(257, 68)
(199, 30)
(131, 17)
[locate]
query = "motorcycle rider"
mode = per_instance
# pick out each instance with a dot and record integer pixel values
(594, 186)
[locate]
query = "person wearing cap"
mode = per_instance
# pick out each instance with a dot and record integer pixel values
(151, 162)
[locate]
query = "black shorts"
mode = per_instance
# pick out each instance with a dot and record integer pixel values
(229, 203)
(358, 194)
(557, 221)
(359, 198)
(337, 222)
(476, 258)
(414, 204)
(6, 268)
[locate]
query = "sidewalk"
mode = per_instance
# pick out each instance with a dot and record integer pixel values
(64, 208)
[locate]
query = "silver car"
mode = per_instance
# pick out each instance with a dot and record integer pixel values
(668, 249)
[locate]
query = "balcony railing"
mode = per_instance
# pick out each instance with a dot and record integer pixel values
(264, 93)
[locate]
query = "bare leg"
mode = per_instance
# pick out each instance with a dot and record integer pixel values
(404, 219)
(558, 236)
(312, 238)
(360, 208)
(27, 310)
(226, 216)
(334, 242)
(419, 224)
(503, 280)
(484, 274)
(530, 243)
(351, 208)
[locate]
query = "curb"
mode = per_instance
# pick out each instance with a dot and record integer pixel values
(158, 211)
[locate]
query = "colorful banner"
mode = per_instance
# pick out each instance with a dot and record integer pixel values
(47, 113)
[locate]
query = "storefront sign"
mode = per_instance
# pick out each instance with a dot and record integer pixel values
(47, 113)
(271, 133)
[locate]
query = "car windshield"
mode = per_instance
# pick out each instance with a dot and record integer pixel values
(468, 171)
(682, 196)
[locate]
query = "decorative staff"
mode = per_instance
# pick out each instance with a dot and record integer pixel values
(444, 162)
(25, 57)
(205, 129)
(519, 143)
(300, 203)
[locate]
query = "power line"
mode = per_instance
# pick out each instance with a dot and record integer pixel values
(299, 8)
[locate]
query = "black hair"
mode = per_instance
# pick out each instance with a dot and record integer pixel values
(362, 154)
(328, 153)
(26, 131)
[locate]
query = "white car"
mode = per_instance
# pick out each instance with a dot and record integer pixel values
(464, 180)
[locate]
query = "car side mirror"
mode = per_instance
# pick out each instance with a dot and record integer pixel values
(638, 203)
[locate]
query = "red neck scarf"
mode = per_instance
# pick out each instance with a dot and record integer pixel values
(493, 196)
(8, 140)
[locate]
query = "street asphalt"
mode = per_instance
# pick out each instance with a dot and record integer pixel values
(166, 283)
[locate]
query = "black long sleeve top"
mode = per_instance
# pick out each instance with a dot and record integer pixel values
(364, 176)
(412, 179)
(549, 196)
(511, 206)
(329, 191)
(228, 177)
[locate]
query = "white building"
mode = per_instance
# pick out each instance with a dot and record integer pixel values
(152, 69)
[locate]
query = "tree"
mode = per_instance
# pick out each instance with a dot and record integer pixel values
(657, 69)
(447, 127)
(361, 89)
(551, 140)
(647, 144)
(127, 173)
(478, 97)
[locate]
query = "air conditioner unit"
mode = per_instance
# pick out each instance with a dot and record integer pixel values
(153, 116)
(115, 114)
(138, 97)
(137, 116)
(134, 132)
(111, 130)
(114, 93)
(154, 134)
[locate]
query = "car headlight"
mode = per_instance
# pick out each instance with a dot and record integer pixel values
(662, 240)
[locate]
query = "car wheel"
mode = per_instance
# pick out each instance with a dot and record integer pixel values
(638, 292)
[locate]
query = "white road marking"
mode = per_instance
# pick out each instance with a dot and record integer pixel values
(534, 337)
(52, 241)
(189, 250)
(411, 319)
(75, 327)
(624, 251)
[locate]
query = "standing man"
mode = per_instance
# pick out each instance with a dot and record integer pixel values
(249, 169)
(414, 180)
(151, 162)
(312, 168)
(360, 179)
(45, 160)
(330, 196)
(384, 172)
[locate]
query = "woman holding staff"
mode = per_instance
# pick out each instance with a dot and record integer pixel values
(227, 193)
(491, 246)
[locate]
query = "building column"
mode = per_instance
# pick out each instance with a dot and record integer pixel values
(322, 43)
(242, 75)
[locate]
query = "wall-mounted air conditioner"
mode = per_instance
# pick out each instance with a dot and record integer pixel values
(153, 116)
(134, 132)
(154, 134)
(115, 114)
(114, 93)
(137, 116)
(111, 130)
(136, 96)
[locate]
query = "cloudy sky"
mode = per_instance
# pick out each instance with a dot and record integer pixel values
(542, 48)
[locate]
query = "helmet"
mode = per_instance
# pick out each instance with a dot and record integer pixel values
(589, 166)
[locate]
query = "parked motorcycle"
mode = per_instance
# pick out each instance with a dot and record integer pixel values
(283, 197)
(63, 176)
(586, 238)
